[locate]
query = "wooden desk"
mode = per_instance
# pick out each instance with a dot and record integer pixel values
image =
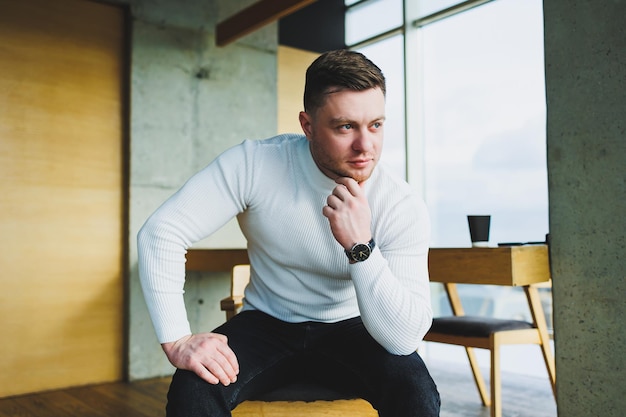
(215, 260)
(525, 266)
(512, 266)
(509, 266)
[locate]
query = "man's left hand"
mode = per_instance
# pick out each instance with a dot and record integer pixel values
(349, 213)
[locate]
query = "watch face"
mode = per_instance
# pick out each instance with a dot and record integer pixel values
(360, 252)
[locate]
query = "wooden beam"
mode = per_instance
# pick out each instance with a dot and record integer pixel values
(254, 17)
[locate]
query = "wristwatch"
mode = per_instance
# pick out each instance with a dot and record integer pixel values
(360, 251)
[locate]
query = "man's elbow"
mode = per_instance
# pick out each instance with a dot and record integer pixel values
(406, 344)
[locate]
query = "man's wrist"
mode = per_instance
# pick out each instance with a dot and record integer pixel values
(360, 252)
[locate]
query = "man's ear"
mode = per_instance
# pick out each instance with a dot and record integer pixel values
(306, 124)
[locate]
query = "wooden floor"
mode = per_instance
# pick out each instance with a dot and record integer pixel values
(137, 399)
(522, 397)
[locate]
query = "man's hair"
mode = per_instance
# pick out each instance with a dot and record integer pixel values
(337, 71)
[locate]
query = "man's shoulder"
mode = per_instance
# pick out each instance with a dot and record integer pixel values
(389, 180)
(284, 140)
(272, 156)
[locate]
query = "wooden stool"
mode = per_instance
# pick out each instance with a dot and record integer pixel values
(302, 400)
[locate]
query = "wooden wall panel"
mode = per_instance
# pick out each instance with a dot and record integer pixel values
(61, 194)
(292, 65)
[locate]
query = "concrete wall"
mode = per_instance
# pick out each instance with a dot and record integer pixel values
(585, 47)
(190, 100)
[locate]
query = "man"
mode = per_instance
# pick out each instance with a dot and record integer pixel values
(338, 248)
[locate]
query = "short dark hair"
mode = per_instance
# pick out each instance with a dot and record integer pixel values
(336, 71)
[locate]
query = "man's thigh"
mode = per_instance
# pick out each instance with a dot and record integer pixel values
(269, 352)
(348, 356)
(341, 356)
(265, 349)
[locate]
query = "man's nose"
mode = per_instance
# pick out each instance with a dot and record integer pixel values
(363, 141)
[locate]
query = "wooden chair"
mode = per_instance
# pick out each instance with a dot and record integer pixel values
(306, 400)
(491, 333)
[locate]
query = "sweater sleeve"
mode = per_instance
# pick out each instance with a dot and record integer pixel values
(392, 286)
(204, 204)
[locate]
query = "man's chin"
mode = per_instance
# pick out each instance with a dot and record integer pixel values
(360, 177)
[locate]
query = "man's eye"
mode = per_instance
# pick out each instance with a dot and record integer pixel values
(347, 126)
(377, 125)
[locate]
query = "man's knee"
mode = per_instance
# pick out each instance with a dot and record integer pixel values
(191, 396)
(406, 370)
(407, 387)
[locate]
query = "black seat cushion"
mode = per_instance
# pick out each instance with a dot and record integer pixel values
(474, 326)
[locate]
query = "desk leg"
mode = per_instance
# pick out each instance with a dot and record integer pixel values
(539, 318)
(457, 310)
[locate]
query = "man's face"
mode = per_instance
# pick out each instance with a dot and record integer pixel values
(346, 134)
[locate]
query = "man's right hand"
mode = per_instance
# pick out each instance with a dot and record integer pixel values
(206, 354)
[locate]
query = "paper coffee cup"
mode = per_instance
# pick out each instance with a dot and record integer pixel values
(479, 225)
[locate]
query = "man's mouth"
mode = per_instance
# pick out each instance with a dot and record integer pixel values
(360, 163)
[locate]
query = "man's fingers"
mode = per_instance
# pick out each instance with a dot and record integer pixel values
(206, 354)
(214, 371)
(223, 369)
(223, 362)
(350, 185)
(204, 373)
(222, 375)
(231, 358)
(333, 201)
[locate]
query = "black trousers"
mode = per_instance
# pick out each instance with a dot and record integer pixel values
(341, 356)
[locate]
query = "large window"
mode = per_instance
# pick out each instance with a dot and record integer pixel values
(482, 112)
(476, 136)
(481, 129)
(388, 54)
(369, 19)
(484, 122)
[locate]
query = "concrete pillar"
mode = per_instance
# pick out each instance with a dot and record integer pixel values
(585, 58)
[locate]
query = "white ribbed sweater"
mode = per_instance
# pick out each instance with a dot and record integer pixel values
(299, 271)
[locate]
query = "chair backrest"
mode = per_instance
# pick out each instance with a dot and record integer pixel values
(239, 280)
